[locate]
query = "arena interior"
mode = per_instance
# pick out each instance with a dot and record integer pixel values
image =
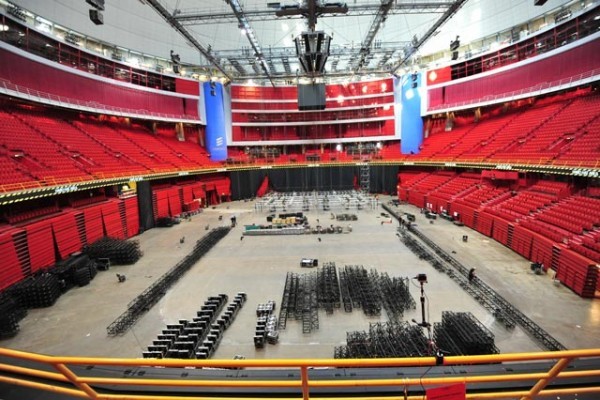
(383, 199)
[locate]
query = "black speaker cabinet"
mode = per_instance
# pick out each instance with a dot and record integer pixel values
(96, 17)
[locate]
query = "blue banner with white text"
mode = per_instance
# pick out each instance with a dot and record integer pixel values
(216, 139)
(411, 121)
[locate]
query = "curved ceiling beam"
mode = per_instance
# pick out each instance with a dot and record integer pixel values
(155, 4)
(365, 47)
(445, 17)
(197, 18)
(244, 24)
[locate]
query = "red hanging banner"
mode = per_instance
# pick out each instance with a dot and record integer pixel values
(452, 392)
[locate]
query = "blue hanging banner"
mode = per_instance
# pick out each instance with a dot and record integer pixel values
(411, 123)
(216, 138)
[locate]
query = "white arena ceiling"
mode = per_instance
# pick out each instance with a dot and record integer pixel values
(235, 36)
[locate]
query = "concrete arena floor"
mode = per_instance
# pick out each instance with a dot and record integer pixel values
(76, 324)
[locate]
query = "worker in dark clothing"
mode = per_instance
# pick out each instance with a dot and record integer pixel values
(471, 275)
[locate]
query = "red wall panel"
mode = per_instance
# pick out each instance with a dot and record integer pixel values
(174, 201)
(160, 203)
(187, 87)
(66, 235)
(188, 194)
(569, 63)
(439, 75)
(38, 76)
(198, 191)
(10, 270)
(93, 223)
(41, 245)
(132, 216)
(112, 220)
(260, 93)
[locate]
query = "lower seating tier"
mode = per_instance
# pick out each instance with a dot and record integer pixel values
(562, 234)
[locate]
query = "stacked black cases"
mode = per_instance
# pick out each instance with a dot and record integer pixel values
(346, 217)
(460, 333)
(77, 270)
(212, 327)
(38, 291)
(102, 264)
(386, 339)
(10, 315)
(328, 288)
(145, 300)
(118, 251)
(266, 325)
(180, 340)
(218, 328)
(199, 337)
(363, 289)
(395, 295)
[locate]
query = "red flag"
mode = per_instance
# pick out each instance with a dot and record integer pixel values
(452, 392)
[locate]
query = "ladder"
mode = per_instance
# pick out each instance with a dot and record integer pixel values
(365, 177)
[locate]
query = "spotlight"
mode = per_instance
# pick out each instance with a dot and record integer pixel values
(414, 78)
(96, 17)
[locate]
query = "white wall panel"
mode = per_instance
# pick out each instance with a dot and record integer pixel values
(479, 18)
(127, 23)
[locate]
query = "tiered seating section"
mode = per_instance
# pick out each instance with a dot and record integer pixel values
(28, 239)
(544, 222)
(43, 147)
(560, 130)
(33, 241)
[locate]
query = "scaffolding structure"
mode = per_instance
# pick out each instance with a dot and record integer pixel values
(334, 201)
(499, 307)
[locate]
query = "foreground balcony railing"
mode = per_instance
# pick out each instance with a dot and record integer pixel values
(70, 376)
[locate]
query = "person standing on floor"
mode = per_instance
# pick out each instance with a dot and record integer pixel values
(471, 275)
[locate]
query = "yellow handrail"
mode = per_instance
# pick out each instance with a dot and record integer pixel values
(84, 385)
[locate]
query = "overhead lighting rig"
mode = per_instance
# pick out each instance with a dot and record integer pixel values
(312, 47)
(311, 10)
(96, 15)
(312, 50)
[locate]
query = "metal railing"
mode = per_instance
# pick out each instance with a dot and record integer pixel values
(515, 164)
(66, 381)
